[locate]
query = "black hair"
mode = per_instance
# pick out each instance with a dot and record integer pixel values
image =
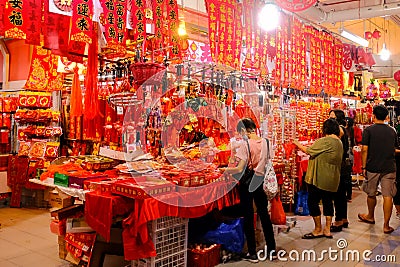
(330, 126)
(340, 116)
(380, 112)
(247, 124)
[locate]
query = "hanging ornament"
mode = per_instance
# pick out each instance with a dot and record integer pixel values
(376, 34)
(296, 5)
(368, 35)
(396, 76)
(372, 90)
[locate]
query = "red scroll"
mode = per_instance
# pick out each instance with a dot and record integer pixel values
(114, 13)
(14, 21)
(138, 20)
(173, 21)
(43, 75)
(82, 13)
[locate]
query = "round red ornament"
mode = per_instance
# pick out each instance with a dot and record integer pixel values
(376, 34)
(295, 5)
(396, 76)
(368, 35)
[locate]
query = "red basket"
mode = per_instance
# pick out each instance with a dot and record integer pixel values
(151, 73)
(207, 258)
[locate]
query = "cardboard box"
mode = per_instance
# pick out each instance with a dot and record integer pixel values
(59, 199)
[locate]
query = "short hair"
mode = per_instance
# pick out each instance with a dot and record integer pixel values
(380, 112)
(340, 116)
(330, 126)
(247, 124)
(350, 122)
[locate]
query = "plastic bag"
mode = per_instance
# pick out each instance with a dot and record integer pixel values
(302, 204)
(230, 235)
(278, 215)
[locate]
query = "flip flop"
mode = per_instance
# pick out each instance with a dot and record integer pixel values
(365, 220)
(311, 236)
(328, 236)
(389, 231)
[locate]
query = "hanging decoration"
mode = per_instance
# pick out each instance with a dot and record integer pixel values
(138, 19)
(33, 19)
(285, 52)
(327, 71)
(14, 22)
(248, 31)
(396, 76)
(173, 22)
(238, 32)
(279, 57)
(76, 96)
(43, 75)
(114, 13)
(315, 60)
(296, 5)
(82, 23)
(338, 69)
(2, 17)
(158, 10)
(55, 32)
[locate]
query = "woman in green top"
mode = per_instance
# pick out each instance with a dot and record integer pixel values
(323, 176)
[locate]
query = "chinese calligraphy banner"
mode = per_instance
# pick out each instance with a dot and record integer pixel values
(43, 75)
(138, 20)
(32, 14)
(81, 28)
(172, 10)
(14, 22)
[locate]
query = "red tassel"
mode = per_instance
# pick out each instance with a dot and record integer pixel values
(76, 96)
(91, 94)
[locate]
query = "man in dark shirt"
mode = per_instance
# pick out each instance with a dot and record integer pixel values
(379, 166)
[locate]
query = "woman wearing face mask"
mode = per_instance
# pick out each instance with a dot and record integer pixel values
(340, 199)
(252, 155)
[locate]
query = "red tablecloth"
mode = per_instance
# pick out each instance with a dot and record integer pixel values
(99, 211)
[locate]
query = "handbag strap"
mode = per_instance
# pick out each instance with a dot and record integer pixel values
(248, 149)
(268, 152)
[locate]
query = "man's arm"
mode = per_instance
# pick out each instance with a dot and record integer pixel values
(364, 155)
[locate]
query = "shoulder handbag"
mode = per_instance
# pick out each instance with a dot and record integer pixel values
(270, 184)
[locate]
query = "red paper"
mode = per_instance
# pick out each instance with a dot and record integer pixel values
(82, 23)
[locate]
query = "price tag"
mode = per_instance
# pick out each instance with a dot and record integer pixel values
(120, 111)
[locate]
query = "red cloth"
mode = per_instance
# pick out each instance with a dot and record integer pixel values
(137, 244)
(302, 166)
(357, 164)
(357, 135)
(100, 210)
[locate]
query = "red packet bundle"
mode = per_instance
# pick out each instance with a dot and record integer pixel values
(52, 149)
(24, 148)
(44, 100)
(7, 120)
(38, 149)
(9, 104)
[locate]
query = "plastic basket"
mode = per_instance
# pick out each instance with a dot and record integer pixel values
(151, 73)
(169, 235)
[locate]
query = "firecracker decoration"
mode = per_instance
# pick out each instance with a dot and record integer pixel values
(82, 23)
(372, 90)
(338, 69)
(43, 75)
(384, 90)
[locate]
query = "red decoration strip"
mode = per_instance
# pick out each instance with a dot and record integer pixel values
(338, 66)
(279, 56)
(221, 32)
(213, 15)
(294, 52)
(264, 55)
(55, 31)
(14, 26)
(173, 23)
(302, 59)
(32, 14)
(138, 20)
(2, 17)
(43, 75)
(285, 53)
(82, 23)
(248, 5)
(317, 50)
(237, 39)
(230, 42)
(115, 25)
(158, 10)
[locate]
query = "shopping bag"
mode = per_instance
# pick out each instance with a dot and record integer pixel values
(270, 184)
(230, 235)
(278, 215)
(302, 204)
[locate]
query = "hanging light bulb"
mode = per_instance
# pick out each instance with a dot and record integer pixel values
(182, 28)
(268, 18)
(385, 53)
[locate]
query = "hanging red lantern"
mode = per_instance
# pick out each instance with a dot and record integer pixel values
(376, 34)
(368, 35)
(396, 76)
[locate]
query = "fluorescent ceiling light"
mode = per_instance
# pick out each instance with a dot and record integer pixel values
(354, 38)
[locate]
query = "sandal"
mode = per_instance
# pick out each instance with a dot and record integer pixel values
(311, 236)
(336, 228)
(328, 236)
(389, 231)
(363, 219)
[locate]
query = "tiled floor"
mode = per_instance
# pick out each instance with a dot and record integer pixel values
(25, 240)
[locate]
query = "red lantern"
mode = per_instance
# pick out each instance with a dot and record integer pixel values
(368, 35)
(376, 34)
(396, 76)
